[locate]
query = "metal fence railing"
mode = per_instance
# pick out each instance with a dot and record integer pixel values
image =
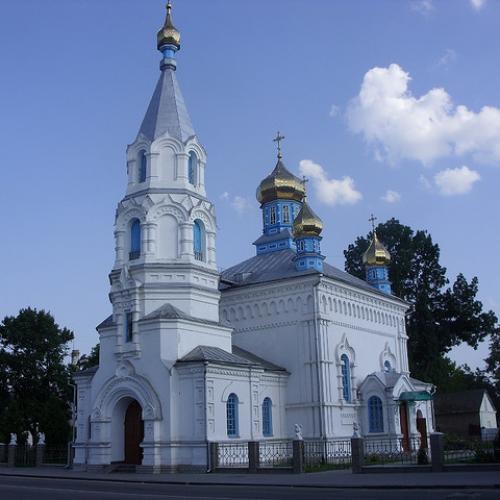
(461, 451)
(406, 451)
(56, 455)
(25, 456)
(3, 453)
(233, 454)
(336, 452)
(276, 453)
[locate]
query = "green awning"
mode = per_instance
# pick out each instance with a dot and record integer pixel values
(415, 396)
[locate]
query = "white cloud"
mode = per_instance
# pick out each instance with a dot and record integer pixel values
(240, 204)
(401, 126)
(454, 181)
(330, 191)
(334, 111)
(477, 4)
(448, 58)
(224, 195)
(423, 7)
(391, 196)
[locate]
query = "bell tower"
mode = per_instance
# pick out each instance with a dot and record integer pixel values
(165, 225)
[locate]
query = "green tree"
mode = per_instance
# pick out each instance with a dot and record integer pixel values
(35, 378)
(440, 317)
(91, 359)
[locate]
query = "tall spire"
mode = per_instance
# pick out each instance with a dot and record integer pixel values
(167, 110)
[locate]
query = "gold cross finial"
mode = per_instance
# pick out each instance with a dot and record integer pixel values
(304, 181)
(372, 219)
(278, 139)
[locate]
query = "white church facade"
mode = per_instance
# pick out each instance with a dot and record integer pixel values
(191, 356)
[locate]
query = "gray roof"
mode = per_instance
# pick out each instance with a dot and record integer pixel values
(167, 111)
(265, 238)
(237, 357)
(168, 311)
(267, 365)
(459, 402)
(108, 322)
(87, 372)
(280, 265)
(214, 355)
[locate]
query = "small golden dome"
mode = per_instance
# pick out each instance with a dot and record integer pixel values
(376, 254)
(169, 35)
(307, 223)
(280, 184)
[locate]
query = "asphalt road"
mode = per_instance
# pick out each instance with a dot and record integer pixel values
(19, 488)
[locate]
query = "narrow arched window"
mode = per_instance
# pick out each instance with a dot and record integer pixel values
(143, 165)
(375, 415)
(300, 246)
(286, 214)
(346, 378)
(198, 240)
(192, 164)
(387, 366)
(267, 417)
(272, 215)
(135, 240)
(232, 416)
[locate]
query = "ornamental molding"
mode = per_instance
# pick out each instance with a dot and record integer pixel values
(175, 210)
(345, 348)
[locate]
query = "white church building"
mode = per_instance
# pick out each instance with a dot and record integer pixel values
(191, 356)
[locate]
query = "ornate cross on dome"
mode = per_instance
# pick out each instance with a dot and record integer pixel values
(372, 219)
(278, 139)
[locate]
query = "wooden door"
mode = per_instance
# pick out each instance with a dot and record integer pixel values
(422, 429)
(134, 434)
(403, 417)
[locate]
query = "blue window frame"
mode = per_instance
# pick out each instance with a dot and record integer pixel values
(346, 378)
(267, 417)
(272, 215)
(192, 163)
(135, 239)
(129, 330)
(375, 415)
(286, 214)
(143, 165)
(198, 240)
(232, 416)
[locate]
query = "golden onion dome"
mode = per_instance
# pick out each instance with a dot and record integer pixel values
(280, 184)
(169, 34)
(376, 254)
(307, 223)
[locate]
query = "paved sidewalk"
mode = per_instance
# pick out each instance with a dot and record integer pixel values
(328, 479)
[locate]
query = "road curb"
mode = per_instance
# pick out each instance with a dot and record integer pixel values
(493, 486)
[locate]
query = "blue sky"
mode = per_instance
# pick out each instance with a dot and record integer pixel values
(390, 107)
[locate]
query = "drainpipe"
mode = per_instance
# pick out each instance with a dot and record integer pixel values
(317, 326)
(209, 463)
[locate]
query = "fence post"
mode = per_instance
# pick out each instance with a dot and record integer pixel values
(214, 455)
(298, 456)
(357, 454)
(39, 454)
(437, 451)
(253, 456)
(11, 455)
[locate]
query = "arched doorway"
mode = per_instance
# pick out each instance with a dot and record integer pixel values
(422, 429)
(133, 434)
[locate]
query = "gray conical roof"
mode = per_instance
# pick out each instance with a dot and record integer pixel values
(167, 111)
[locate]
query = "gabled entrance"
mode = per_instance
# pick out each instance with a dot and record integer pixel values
(134, 433)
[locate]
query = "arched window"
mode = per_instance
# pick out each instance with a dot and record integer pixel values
(346, 378)
(267, 417)
(375, 415)
(286, 214)
(135, 240)
(143, 165)
(387, 366)
(198, 240)
(301, 245)
(272, 215)
(192, 164)
(232, 415)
